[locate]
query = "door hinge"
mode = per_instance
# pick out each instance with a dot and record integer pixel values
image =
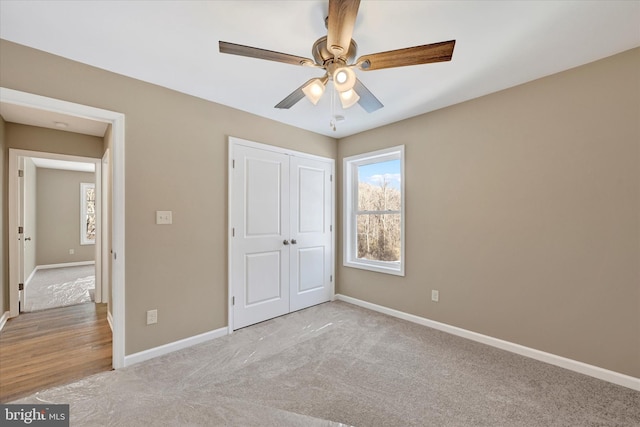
(233, 232)
(233, 300)
(331, 228)
(20, 229)
(331, 278)
(21, 286)
(20, 173)
(331, 178)
(233, 163)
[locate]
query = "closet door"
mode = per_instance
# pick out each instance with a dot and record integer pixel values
(260, 243)
(311, 219)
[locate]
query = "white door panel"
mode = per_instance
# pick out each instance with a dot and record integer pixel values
(311, 215)
(260, 260)
(263, 212)
(262, 278)
(311, 203)
(311, 264)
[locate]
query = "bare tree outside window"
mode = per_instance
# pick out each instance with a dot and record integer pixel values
(378, 215)
(88, 213)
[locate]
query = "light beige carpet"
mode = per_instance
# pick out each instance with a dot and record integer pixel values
(337, 363)
(60, 287)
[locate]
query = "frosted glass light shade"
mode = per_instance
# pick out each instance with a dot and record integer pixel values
(314, 90)
(349, 98)
(344, 79)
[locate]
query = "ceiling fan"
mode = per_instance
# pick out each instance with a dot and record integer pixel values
(335, 53)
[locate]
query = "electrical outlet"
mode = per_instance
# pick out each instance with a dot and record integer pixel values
(435, 295)
(164, 217)
(72, 251)
(152, 317)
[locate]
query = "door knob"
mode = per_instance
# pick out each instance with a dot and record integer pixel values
(294, 241)
(286, 242)
(27, 238)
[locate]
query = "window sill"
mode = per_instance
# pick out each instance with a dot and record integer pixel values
(378, 268)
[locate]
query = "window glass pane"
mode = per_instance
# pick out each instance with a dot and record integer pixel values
(379, 237)
(89, 213)
(373, 211)
(90, 197)
(379, 186)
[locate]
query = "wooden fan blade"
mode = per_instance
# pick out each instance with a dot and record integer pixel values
(293, 98)
(342, 19)
(367, 100)
(436, 52)
(269, 55)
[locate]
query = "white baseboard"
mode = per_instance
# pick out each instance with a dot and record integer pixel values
(174, 346)
(64, 264)
(110, 320)
(563, 362)
(3, 319)
(26, 282)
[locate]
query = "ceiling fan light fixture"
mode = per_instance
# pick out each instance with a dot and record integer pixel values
(335, 54)
(314, 90)
(348, 98)
(344, 79)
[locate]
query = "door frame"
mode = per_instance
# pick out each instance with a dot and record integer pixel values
(104, 261)
(233, 141)
(117, 121)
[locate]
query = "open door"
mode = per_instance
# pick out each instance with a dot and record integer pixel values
(16, 247)
(21, 234)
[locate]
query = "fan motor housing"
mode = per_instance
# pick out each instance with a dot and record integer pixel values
(322, 55)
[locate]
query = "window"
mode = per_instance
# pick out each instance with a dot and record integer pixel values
(374, 211)
(87, 213)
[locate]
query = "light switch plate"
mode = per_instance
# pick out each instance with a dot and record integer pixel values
(435, 295)
(152, 317)
(164, 217)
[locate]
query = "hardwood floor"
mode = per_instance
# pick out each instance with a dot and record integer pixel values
(53, 347)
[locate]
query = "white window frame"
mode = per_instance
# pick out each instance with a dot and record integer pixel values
(83, 213)
(350, 204)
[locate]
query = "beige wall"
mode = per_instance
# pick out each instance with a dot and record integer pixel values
(176, 157)
(4, 250)
(58, 217)
(52, 141)
(523, 210)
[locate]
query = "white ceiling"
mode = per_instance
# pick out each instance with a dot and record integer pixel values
(499, 44)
